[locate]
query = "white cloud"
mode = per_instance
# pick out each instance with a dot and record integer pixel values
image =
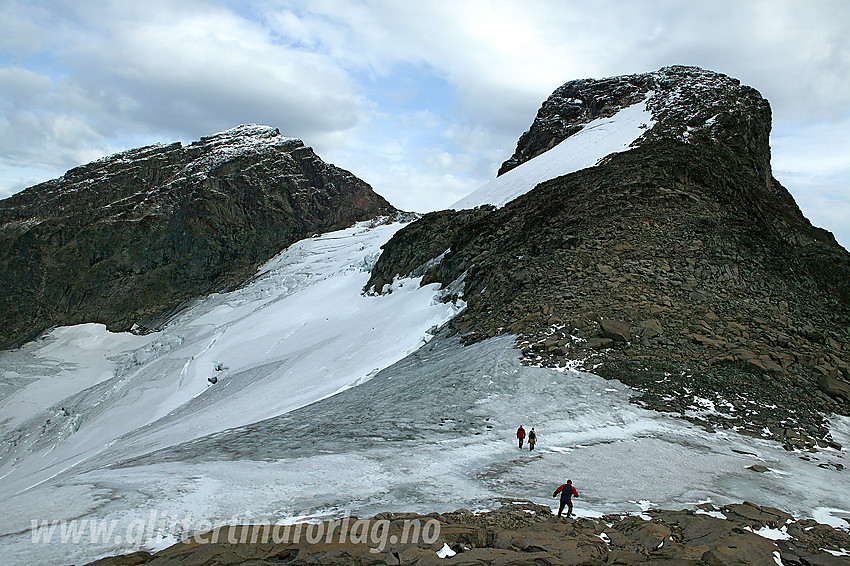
(812, 160)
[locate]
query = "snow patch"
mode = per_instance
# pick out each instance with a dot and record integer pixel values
(596, 140)
(772, 534)
(714, 513)
(446, 551)
(837, 518)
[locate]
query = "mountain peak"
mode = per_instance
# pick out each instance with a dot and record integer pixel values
(131, 236)
(247, 137)
(686, 103)
(671, 260)
(585, 121)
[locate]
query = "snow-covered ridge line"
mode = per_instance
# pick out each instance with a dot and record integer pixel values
(214, 149)
(244, 139)
(595, 141)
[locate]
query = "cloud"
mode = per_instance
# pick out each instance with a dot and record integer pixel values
(158, 70)
(179, 70)
(812, 159)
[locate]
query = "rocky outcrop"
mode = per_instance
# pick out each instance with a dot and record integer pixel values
(523, 533)
(680, 266)
(128, 238)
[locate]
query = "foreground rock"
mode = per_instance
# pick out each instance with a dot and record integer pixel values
(524, 533)
(127, 238)
(680, 267)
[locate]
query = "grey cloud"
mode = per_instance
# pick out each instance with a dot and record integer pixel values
(177, 74)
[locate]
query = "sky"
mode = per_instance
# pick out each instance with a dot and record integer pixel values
(423, 100)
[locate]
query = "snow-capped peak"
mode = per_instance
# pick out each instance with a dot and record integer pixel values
(253, 139)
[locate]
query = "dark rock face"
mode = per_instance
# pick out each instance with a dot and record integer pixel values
(722, 290)
(128, 238)
(689, 104)
(519, 533)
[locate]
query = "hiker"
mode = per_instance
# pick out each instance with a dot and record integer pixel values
(532, 439)
(520, 434)
(567, 492)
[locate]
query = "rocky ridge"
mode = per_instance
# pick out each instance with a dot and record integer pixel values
(523, 532)
(680, 266)
(127, 239)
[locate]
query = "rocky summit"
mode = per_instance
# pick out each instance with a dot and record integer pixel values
(680, 266)
(127, 239)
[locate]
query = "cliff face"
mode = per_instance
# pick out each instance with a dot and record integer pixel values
(680, 266)
(128, 238)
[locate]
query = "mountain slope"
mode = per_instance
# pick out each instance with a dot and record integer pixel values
(679, 266)
(126, 239)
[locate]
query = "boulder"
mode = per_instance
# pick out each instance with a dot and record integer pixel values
(599, 343)
(741, 548)
(616, 330)
(651, 328)
(755, 516)
(834, 387)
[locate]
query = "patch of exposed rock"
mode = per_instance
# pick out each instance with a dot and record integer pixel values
(523, 533)
(128, 238)
(680, 267)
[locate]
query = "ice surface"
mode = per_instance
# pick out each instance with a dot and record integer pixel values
(69, 361)
(583, 149)
(433, 431)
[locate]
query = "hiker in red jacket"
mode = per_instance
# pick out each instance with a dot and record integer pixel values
(567, 492)
(520, 434)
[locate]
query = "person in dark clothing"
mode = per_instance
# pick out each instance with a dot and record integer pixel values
(567, 492)
(532, 439)
(520, 434)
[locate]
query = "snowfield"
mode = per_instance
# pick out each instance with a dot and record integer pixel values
(596, 140)
(301, 331)
(81, 397)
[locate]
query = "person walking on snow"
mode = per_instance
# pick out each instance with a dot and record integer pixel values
(520, 434)
(532, 439)
(567, 492)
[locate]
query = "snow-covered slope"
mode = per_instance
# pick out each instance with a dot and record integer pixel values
(583, 149)
(300, 331)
